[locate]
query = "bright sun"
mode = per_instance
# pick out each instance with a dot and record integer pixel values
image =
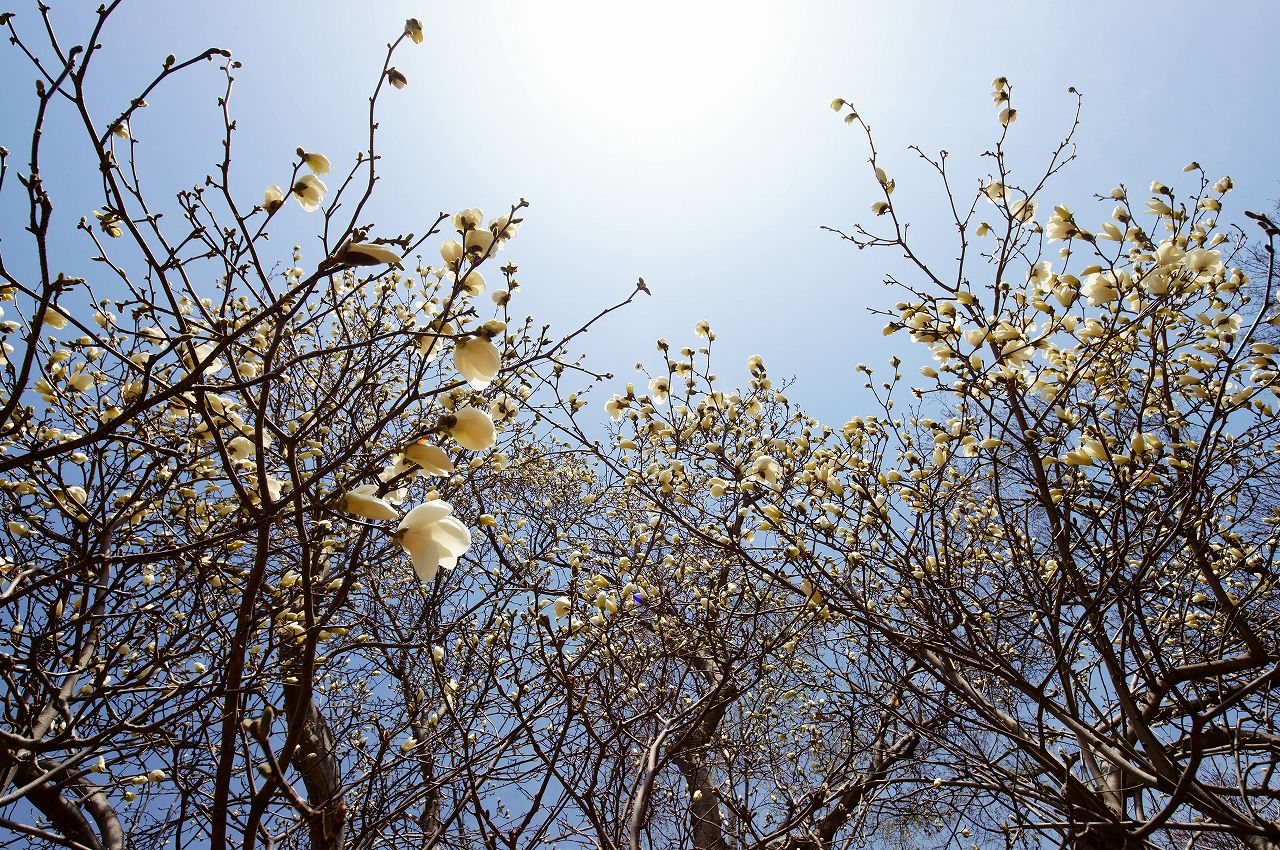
(657, 81)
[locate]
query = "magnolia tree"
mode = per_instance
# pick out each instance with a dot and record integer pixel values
(1050, 565)
(246, 492)
(1078, 532)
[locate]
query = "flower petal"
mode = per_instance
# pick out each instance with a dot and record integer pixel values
(424, 515)
(452, 536)
(426, 555)
(478, 360)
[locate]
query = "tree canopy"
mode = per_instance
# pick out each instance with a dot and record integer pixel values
(330, 547)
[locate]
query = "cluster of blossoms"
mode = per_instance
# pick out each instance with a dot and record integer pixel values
(790, 629)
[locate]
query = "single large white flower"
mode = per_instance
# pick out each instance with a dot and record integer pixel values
(272, 198)
(615, 407)
(478, 241)
(473, 429)
(473, 283)
(1023, 210)
(1203, 263)
(80, 381)
(1100, 289)
(503, 408)
(467, 219)
(54, 318)
(478, 360)
(309, 190)
(433, 538)
(432, 458)
(362, 502)
(370, 254)
(317, 162)
(240, 448)
(765, 469)
(451, 252)
(1061, 226)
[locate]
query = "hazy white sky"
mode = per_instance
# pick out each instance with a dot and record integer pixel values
(692, 143)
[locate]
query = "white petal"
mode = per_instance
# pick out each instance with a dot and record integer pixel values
(363, 505)
(477, 360)
(433, 459)
(452, 536)
(473, 429)
(426, 555)
(368, 254)
(423, 515)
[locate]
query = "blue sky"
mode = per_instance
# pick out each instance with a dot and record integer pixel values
(693, 144)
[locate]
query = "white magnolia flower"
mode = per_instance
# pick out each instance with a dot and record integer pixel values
(1067, 291)
(275, 487)
(433, 538)
(317, 162)
(765, 469)
(309, 190)
(477, 360)
(198, 356)
(1169, 254)
(370, 254)
(473, 283)
(660, 389)
(615, 406)
(1200, 261)
(80, 381)
(272, 198)
(504, 228)
(503, 408)
(54, 318)
(1023, 210)
(467, 219)
(362, 502)
(1061, 225)
(433, 459)
(240, 448)
(473, 429)
(451, 251)
(413, 29)
(1100, 289)
(398, 466)
(71, 500)
(561, 606)
(478, 241)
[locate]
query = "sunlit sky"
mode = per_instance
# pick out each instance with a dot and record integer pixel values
(693, 143)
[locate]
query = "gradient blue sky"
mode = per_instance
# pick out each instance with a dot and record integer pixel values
(693, 144)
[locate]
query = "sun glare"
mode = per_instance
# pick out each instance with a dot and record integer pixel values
(658, 81)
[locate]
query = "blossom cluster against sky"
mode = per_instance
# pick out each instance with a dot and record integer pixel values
(693, 144)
